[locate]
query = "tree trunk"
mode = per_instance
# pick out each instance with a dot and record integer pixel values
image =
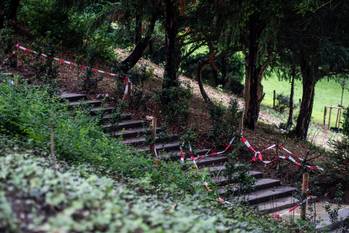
(253, 87)
(12, 14)
(138, 51)
(201, 65)
(309, 79)
(291, 104)
(172, 47)
(138, 28)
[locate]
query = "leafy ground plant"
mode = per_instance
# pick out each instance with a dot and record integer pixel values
(37, 198)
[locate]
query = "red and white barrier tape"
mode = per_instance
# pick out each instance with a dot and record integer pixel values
(126, 80)
(258, 155)
(300, 203)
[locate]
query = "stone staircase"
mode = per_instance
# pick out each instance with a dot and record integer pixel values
(267, 196)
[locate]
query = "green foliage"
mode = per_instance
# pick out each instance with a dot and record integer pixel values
(238, 173)
(48, 16)
(336, 165)
(32, 112)
(175, 104)
(6, 40)
(8, 221)
(225, 122)
(75, 200)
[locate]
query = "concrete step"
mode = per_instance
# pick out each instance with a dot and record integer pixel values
(211, 161)
(102, 110)
(276, 205)
(85, 103)
(133, 132)
(125, 124)
(141, 141)
(171, 146)
(109, 118)
(72, 96)
(261, 183)
(269, 194)
(223, 180)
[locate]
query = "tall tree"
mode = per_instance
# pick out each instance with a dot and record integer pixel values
(171, 43)
(317, 35)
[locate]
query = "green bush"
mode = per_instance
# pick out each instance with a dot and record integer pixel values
(31, 112)
(175, 104)
(225, 122)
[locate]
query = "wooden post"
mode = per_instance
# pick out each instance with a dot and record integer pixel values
(329, 118)
(340, 117)
(337, 118)
(305, 189)
(53, 148)
(274, 98)
(325, 113)
(152, 126)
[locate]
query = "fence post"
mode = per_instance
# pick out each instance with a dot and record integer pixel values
(152, 126)
(305, 189)
(329, 118)
(325, 113)
(274, 98)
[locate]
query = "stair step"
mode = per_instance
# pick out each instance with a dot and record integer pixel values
(268, 194)
(138, 141)
(210, 161)
(223, 180)
(262, 183)
(133, 132)
(125, 122)
(102, 110)
(275, 205)
(72, 96)
(171, 146)
(94, 103)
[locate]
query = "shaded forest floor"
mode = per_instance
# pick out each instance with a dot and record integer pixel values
(199, 118)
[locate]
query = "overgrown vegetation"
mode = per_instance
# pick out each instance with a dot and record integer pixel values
(75, 200)
(225, 122)
(32, 113)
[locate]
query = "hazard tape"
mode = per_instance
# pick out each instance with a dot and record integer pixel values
(258, 155)
(127, 82)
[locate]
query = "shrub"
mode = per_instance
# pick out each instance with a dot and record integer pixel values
(225, 122)
(175, 104)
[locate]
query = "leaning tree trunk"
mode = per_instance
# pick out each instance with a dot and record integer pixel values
(291, 104)
(309, 79)
(138, 27)
(138, 51)
(201, 65)
(172, 47)
(254, 72)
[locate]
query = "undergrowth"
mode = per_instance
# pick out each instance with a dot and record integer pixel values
(31, 113)
(74, 200)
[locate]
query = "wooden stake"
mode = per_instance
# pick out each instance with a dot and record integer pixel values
(274, 98)
(329, 118)
(305, 189)
(325, 113)
(153, 123)
(53, 148)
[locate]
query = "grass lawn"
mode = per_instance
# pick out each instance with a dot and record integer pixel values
(327, 93)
